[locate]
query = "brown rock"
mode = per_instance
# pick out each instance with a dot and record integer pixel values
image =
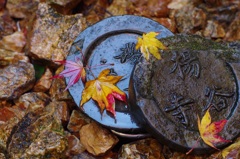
(121, 7)
(22, 8)
(44, 45)
(57, 88)
(39, 134)
(9, 57)
(63, 111)
(94, 11)
(74, 146)
(44, 83)
(32, 101)
(153, 8)
(214, 30)
(77, 120)
(167, 22)
(189, 19)
(233, 33)
(16, 79)
(13, 42)
(7, 24)
(145, 148)
(2, 6)
(96, 139)
(5, 114)
(64, 6)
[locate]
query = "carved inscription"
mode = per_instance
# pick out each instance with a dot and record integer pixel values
(178, 106)
(216, 98)
(185, 64)
(129, 53)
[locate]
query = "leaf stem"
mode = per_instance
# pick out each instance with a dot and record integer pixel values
(194, 146)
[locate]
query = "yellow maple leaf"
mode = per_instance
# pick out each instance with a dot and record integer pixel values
(232, 150)
(103, 91)
(149, 44)
(209, 131)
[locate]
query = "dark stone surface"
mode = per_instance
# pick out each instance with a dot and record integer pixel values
(112, 41)
(168, 94)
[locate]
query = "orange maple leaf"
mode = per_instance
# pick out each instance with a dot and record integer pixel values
(104, 91)
(149, 44)
(209, 131)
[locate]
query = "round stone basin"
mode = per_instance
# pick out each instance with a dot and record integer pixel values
(167, 96)
(112, 40)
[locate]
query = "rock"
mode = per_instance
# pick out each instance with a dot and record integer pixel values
(145, 148)
(49, 47)
(44, 83)
(57, 88)
(74, 146)
(16, 79)
(6, 114)
(121, 7)
(153, 8)
(64, 6)
(94, 10)
(77, 121)
(63, 112)
(233, 33)
(9, 57)
(22, 9)
(189, 19)
(7, 24)
(171, 106)
(214, 30)
(32, 101)
(96, 139)
(167, 22)
(14, 42)
(40, 133)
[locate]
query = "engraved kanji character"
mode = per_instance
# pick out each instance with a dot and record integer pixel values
(185, 64)
(216, 99)
(179, 105)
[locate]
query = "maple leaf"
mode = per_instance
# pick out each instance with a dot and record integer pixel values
(149, 44)
(104, 91)
(209, 131)
(74, 70)
(232, 151)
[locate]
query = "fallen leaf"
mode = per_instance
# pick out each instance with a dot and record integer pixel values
(74, 70)
(104, 91)
(149, 44)
(232, 151)
(209, 131)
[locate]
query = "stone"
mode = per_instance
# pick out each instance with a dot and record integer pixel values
(96, 139)
(112, 41)
(9, 57)
(16, 79)
(14, 42)
(39, 133)
(145, 148)
(200, 80)
(214, 30)
(63, 112)
(75, 147)
(44, 83)
(22, 8)
(32, 101)
(233, 33)
(64, 6)
(49, 47)
(8, 26)
(77, 121)
(189, 19)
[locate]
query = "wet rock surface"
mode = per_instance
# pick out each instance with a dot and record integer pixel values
(48, 47)
(27, 121)
(200, 80)
(16, 79)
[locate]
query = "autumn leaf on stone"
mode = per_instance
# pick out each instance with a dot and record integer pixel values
(232, 151)
(103, 91)
(209, 131)
(74, 70)
(149, 44)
